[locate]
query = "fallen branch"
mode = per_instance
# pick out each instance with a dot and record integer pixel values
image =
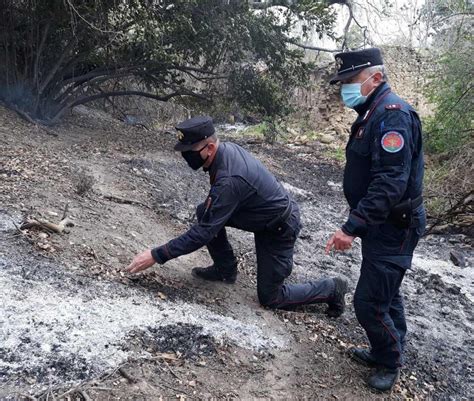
(49, 226)
(463, 206)
(123, 201)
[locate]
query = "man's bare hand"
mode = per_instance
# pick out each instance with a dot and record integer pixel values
(339, 241)
(141, 262)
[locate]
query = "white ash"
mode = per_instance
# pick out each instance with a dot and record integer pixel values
(47, 313)
(301, 193)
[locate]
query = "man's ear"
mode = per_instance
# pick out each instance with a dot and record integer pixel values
(212, 146)
(378, 77)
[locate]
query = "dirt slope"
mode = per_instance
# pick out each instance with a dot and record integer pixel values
(71, 321)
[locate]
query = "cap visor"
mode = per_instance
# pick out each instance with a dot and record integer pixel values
(181, 147)
(341, 77)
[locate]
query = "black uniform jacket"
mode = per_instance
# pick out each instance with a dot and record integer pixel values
(243, 194)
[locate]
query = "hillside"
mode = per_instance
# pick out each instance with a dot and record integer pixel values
(73, 323)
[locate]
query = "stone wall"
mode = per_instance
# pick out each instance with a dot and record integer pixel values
(319, 108)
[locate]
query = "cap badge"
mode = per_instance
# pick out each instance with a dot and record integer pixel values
(339, 62)
(180, 136)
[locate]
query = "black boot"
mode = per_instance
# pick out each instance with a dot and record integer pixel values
(383, 379)
(215, 273)
(362, 356)
(337, 305)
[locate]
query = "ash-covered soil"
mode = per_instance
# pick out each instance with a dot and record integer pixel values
(185, 340)
(72, 322)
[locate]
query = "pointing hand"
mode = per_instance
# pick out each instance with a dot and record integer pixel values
(141, 262)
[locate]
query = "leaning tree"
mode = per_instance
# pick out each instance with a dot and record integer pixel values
(57, 54)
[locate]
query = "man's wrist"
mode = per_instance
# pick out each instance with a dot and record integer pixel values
(155, 253)
(355, 226)
(345, 231)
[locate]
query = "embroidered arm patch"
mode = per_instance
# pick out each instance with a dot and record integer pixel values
(392, 142)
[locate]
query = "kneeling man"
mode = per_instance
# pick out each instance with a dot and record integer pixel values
(244, 195)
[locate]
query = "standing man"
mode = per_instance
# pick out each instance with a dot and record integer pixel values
(383, 186)
(244, 195)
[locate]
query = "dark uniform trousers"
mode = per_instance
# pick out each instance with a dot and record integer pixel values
(274, 251)
(387, 253)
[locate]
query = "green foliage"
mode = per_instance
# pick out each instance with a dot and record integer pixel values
(450, 88)
(270, 130)
(338, 154)
(256, 130)
(55, 54)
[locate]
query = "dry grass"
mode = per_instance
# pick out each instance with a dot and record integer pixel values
(83, 182)
(448, 185)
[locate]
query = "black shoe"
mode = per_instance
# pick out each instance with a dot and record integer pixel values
(337, 305)
(363, 356)
(383, 379)
(214, 273)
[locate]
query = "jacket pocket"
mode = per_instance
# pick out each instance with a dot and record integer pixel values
(360, 147)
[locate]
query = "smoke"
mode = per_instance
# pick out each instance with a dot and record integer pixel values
(21, 97)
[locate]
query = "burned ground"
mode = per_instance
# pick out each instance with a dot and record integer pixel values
(72, 322)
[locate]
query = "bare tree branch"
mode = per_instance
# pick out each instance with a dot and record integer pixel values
(90, 98)
(56, 67)
(308, 47)
(260, 5)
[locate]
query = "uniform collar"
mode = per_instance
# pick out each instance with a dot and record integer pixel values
(364, 107)
(216, 163)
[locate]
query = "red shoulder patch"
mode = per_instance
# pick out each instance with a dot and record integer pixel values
(393, 106)
(393, 142)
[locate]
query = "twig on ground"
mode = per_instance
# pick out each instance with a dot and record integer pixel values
(127, 375)
(66, 209)
(84, 395)
(173, 372)
(101, 388)
(123, 201)
(175, 389)
(27, 396)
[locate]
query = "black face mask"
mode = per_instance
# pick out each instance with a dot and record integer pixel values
(194, 159)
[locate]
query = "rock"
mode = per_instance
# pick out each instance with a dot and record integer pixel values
(161, 295)
(458, 258)
(446, 310)
(341, 131)
(44, 246)
(326, 138)
(456, 238)
(292, 131)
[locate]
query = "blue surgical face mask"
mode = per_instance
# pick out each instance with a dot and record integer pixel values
(351, 94)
